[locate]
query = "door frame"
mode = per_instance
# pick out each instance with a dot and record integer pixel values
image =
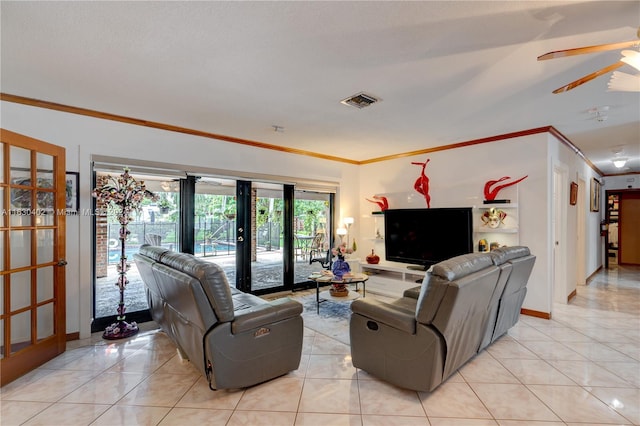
(621, 193)
(559, 232)
(581, 246)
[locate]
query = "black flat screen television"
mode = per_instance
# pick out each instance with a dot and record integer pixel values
(427, 236)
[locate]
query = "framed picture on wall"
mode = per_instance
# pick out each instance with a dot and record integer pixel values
(595, 195)
(72, 195)
(573, 194)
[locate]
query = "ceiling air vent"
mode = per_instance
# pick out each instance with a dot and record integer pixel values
(360, 100)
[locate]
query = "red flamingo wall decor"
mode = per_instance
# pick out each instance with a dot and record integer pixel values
(422, 183)
(490, 194)
(380, 201)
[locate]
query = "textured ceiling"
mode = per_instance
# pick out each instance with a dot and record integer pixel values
(446, 72)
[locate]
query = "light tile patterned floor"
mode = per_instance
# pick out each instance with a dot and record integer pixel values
(582, 367)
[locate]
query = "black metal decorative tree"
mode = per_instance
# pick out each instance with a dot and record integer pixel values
(123, 194)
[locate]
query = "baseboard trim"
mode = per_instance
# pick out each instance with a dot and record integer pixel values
(73, 336)
(573, 294)
(592, 276)
(537, 314)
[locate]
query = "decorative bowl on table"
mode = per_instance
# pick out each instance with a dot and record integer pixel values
(339, 290)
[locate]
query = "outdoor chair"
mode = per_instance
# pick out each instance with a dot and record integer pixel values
(316, 250)
(153, 239)
(324, 260)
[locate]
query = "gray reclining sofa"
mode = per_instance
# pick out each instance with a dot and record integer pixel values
(463, 305)
(235, 339)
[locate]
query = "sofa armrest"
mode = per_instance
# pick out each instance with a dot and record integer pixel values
(265, 314)
(413, 292)
(392, 315)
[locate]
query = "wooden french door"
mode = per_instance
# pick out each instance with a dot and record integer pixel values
(32, 250)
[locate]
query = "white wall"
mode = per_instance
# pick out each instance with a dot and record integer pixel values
(457, 178)
(620, 182)
(593, 240)
(84, 137)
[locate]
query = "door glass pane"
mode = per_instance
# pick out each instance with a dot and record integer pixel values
(215, 223)
(156, 223)
(20, 216)
(312, 230)
(20, 165)
(1, 162)
(20, 290)
(1, 294)
(45, 245)
(3, 209)
(45, 321)
(45, 208)
(267, 269)
(20, 249)
(2, 250)
(45, 284)
(20, 331)
(1, 339)
(21, 198)
(44, 170)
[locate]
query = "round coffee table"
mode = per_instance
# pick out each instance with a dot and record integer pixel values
(329, 279)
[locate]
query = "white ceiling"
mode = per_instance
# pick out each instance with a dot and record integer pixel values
(446, 72)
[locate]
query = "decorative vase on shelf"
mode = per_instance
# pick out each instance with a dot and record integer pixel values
(373, 258)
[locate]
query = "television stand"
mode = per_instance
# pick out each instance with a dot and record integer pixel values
(417, 267)
(391, 279)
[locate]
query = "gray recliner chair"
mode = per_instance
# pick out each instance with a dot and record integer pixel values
(419, 343)
(516, 264)
(235, 339)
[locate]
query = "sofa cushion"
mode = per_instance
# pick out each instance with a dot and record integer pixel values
(461, 266)
(395, 315)
(211, 276)
(184, 296)
(436, 282)
(152, 252)
(462, 314)
(413, 292)
(257, 313)
(505, 254)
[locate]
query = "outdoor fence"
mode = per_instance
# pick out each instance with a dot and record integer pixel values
(212, 237)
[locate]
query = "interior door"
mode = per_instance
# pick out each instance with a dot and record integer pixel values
(629, 235)
(581, 245)
(560, 199)
(32, 250)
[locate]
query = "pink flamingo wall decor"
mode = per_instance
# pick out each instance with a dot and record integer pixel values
(490, 194)
(380, 201)
(422, 183)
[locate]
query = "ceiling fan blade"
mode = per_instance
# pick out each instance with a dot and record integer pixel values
(588, 49)
(589, 77)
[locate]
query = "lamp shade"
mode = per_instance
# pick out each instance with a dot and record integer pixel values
(341, 231)
(348, 221)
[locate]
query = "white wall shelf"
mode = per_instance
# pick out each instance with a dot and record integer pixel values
(391, 279)
(497, 230)
(506, 234)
